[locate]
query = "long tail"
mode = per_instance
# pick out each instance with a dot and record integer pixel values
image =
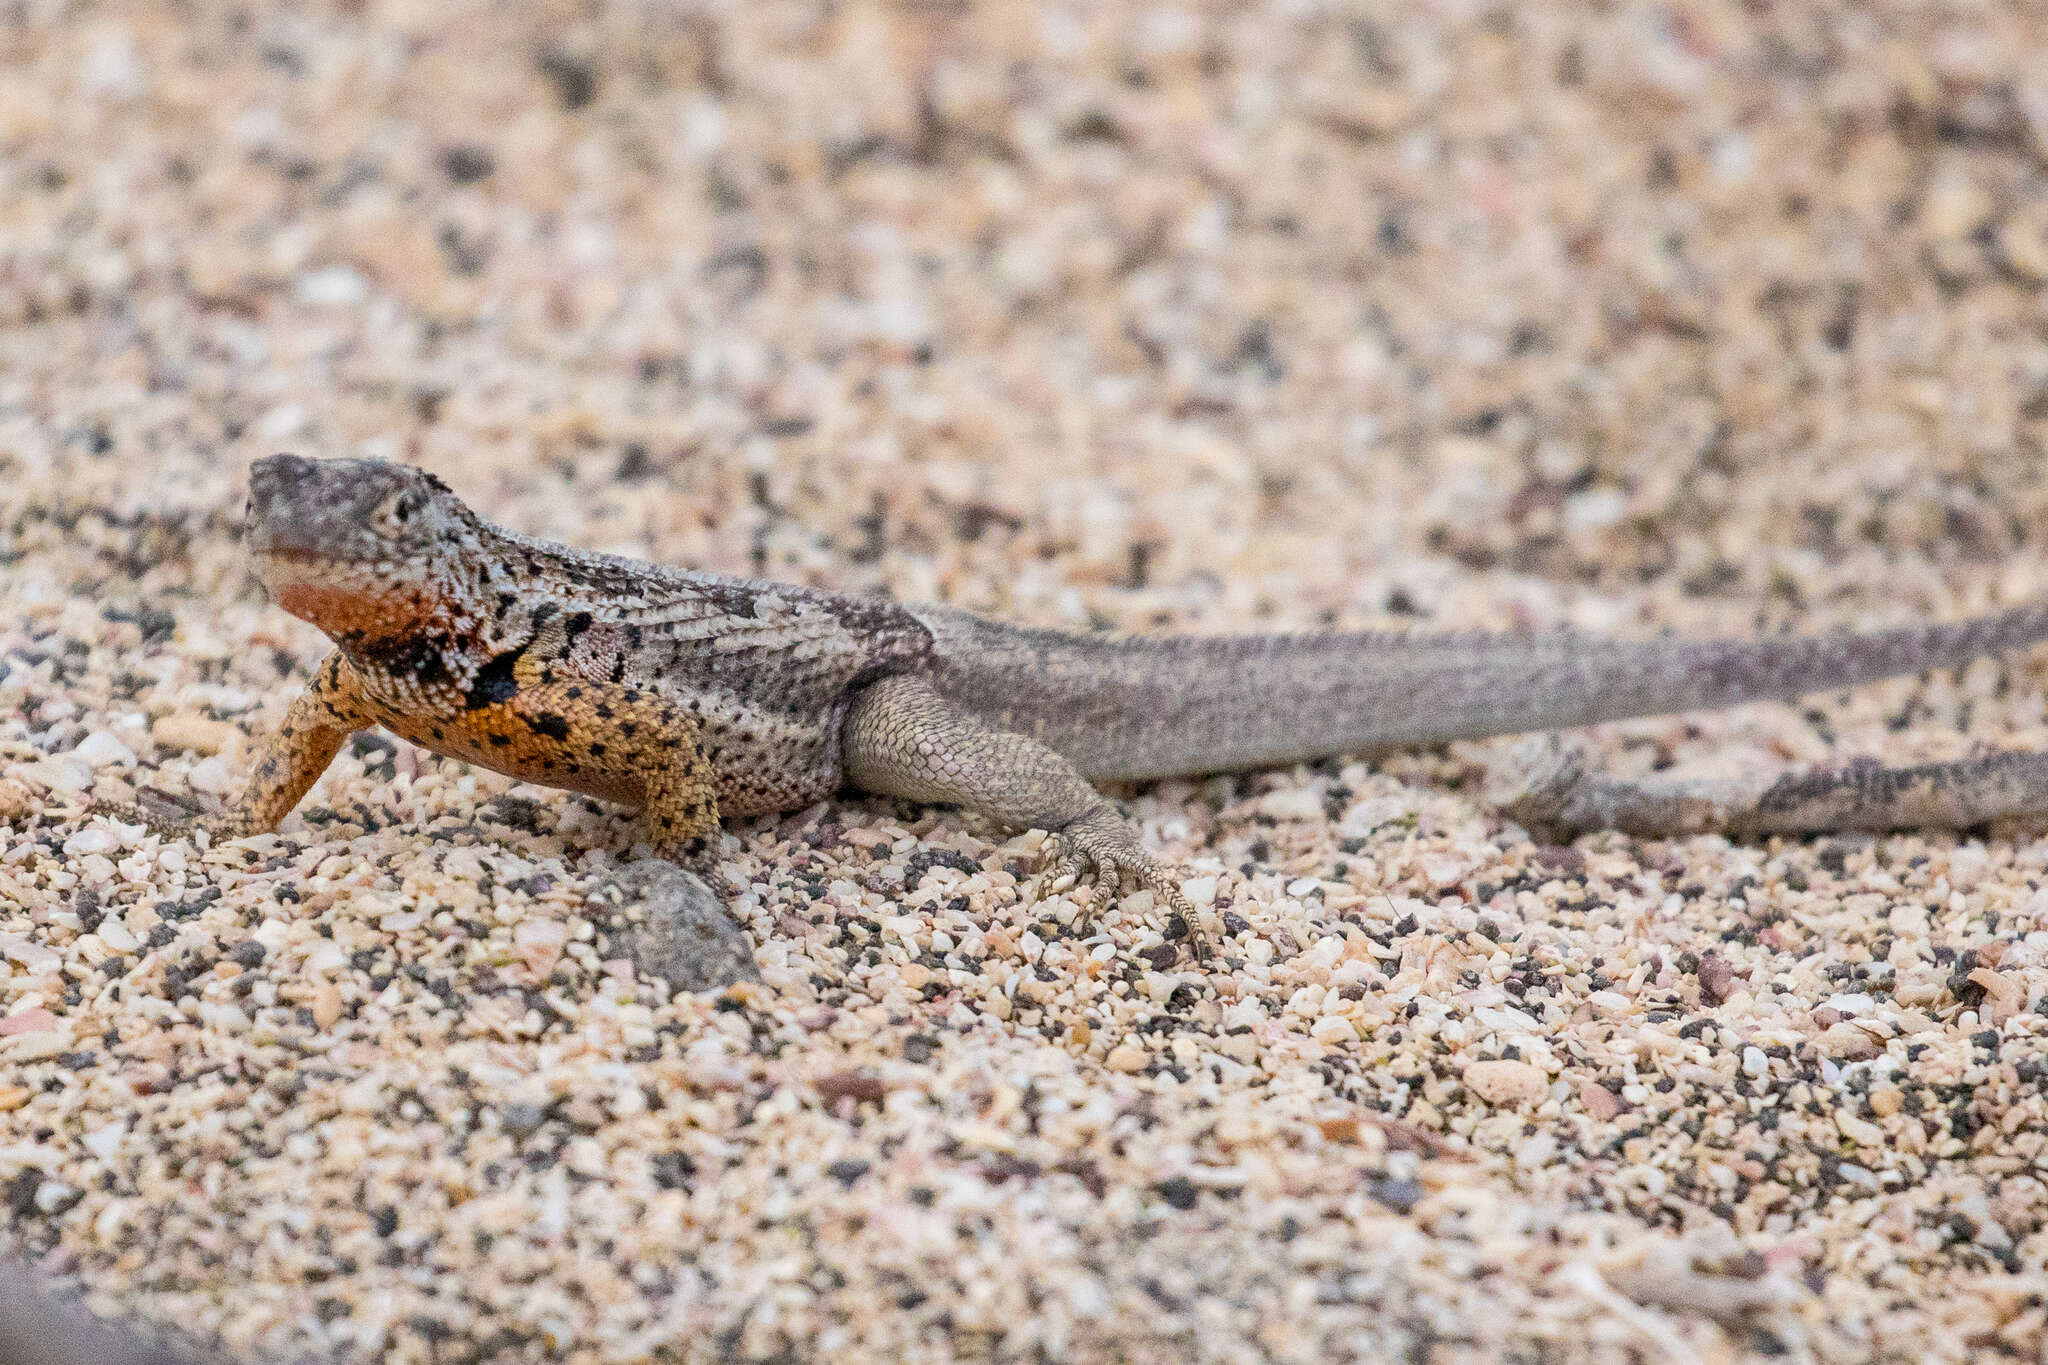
(1137, 707)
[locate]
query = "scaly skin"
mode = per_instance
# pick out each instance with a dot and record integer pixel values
(694, 696)
(691, 696)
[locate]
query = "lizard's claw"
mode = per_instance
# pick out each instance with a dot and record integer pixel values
(1070, 867)
(1101, 846)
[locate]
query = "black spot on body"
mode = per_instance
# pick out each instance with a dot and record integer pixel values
(549, 724)
(577, 624)
(494, 681)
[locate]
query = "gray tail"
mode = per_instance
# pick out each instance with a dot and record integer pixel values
(1134, 707)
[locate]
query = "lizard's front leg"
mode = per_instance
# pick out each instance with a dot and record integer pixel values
(903, 739)
(636, 745)
(319, 721)
(562, 728)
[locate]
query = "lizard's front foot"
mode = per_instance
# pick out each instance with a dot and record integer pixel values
(674, 926)
(1102, 846)
(165, 815)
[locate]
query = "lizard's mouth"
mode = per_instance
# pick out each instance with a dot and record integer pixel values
(281, 539)
(289, 554)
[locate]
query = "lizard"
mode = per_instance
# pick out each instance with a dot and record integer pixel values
(698, 696)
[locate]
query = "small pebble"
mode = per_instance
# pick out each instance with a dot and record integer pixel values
(101, 749)
(198, 734)
(1589, 318)
(1127, 1057)
(1505, 1082)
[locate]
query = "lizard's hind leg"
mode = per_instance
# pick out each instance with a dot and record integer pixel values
(1543, 784)
(903, 739)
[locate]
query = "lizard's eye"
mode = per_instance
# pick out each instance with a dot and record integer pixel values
(399, 511)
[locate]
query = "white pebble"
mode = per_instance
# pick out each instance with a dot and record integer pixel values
(1755, 1063)
(335, 286)
(1301, 803)
(1333, 1028)
(58, 772)
(327, 957)
(281, 423)
(29, 953)
(36, 1047)
(1595, 510)
(1373, 813)
(101, 750)
(105, 1141)
(1126, 1057)
(212, 776)
(54, 1196)
(94, 839)
(1505, 1082)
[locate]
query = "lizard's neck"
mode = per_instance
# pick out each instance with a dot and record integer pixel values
(423, 640)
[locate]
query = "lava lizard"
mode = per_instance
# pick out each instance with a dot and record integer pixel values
(696, 696)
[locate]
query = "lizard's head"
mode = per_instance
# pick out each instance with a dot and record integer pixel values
(355, 546)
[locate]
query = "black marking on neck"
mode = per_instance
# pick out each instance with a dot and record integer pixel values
(494, 681)
(420, 656)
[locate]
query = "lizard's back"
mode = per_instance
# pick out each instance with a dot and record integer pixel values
(766, 669)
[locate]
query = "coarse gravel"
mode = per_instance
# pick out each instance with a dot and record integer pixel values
(1711, 317)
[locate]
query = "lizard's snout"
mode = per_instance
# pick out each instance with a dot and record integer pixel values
(273, 480)
(276, 487)
(292, 508)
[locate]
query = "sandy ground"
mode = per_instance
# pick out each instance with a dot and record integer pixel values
(1712, 317)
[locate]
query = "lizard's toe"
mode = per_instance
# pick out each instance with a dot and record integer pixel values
(1070, 867)
(1103, 848)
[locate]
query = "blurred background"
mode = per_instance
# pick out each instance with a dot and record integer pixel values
(1715, 316)
(1216, 311)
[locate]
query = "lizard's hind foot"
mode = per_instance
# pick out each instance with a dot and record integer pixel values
(1102, 847)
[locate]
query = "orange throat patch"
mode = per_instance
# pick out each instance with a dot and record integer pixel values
(343, 611)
